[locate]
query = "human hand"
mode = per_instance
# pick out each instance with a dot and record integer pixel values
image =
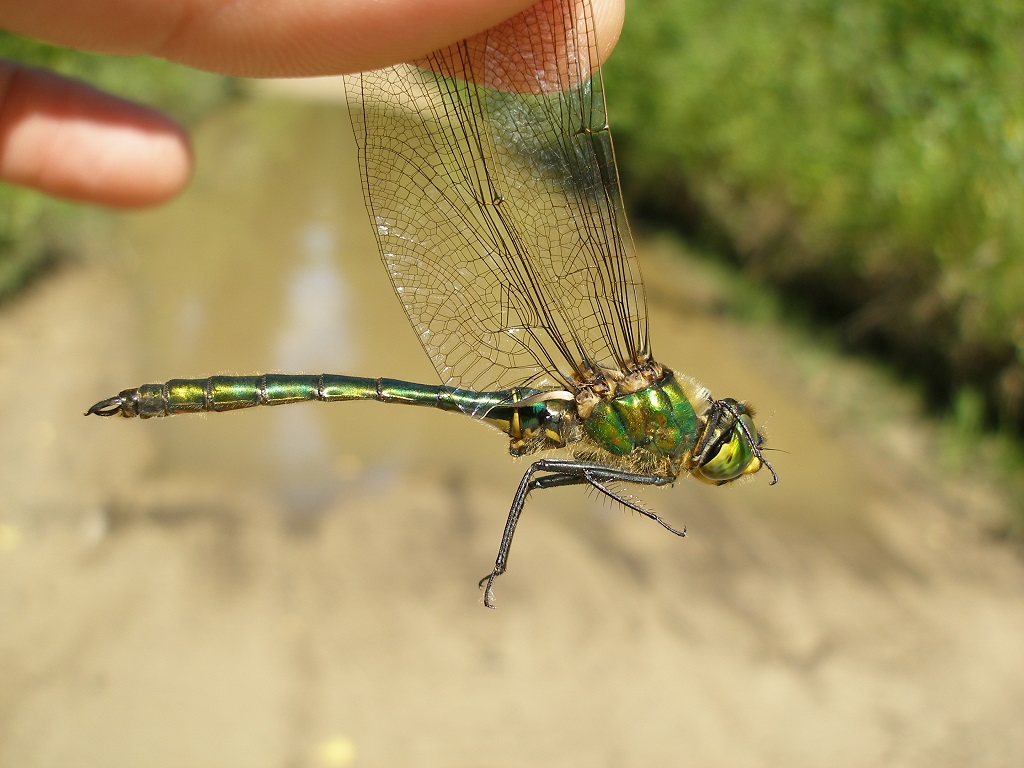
(67, 139)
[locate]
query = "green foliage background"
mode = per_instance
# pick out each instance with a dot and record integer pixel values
(867, 156)
(34, 229)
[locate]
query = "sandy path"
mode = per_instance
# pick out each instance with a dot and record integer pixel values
(855, 615)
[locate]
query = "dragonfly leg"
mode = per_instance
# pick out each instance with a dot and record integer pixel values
(562, 472)
(634, 506)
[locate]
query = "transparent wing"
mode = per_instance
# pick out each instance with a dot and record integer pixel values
(490, 177)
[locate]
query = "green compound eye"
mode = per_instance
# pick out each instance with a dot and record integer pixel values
(732, 456)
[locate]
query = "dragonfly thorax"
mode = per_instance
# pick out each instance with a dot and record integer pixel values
(606, 384)
(671, 426)
(649, 421)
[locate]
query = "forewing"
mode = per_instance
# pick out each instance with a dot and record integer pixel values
(490, 177)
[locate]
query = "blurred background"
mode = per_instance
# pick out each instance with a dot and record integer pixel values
(826, 200)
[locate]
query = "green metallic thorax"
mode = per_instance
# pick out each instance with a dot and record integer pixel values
(659, 419)
(654, 429)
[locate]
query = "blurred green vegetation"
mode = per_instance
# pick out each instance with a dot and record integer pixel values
(34, 229)
(866, 157)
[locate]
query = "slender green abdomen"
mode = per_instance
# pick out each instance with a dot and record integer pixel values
(659, 418)
(229, 393)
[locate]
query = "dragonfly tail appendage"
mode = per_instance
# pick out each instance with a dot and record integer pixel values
(112, 406)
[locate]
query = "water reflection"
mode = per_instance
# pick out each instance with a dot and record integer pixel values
(315, 325)
(314, 335)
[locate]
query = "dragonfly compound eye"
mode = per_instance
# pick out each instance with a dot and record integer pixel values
(732, 456)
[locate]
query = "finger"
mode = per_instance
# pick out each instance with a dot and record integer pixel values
(285, 38)
(67, 139)
(536, 54)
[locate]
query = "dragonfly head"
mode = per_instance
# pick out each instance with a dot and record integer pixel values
(730, 446)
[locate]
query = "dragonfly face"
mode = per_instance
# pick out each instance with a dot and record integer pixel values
(731, 444)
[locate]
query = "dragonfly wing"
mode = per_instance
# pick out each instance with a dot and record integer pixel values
(490, 177)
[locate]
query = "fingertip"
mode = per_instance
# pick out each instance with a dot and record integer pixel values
(67, 139)
(142, 161)
(608, 19)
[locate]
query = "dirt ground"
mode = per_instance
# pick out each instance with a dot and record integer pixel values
(263, 590)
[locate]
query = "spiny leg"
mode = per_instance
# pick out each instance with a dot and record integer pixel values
(565, 472)
(556, 481)
(753, 441)
(629, 504)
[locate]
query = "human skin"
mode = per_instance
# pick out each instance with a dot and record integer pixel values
(66, 139)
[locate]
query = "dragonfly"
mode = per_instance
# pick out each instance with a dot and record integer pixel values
(489, 175)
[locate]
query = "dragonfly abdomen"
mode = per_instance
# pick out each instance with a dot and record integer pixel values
(229, 393)
(535, 426)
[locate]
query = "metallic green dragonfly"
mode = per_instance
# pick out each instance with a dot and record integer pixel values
(490, 179)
